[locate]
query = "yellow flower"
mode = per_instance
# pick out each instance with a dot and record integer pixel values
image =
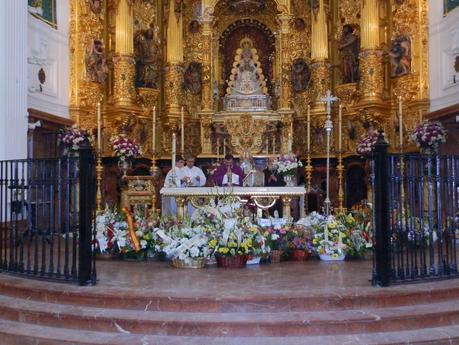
(213, 243)
(332, 225)
(223, 250)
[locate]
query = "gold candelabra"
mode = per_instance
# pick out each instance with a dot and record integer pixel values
(154, 173)
(308, 172)
(340, 170)
(99, 172)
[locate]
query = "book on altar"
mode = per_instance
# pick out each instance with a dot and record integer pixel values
(234, 179)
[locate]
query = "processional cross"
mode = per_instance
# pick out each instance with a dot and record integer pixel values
(328, 99)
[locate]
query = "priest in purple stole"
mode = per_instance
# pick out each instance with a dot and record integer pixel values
(228, 173)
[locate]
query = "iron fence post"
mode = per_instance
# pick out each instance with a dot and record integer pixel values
(381, 212)
(86, 205)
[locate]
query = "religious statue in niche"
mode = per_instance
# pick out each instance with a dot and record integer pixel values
(315, 6)
(96, 6)
(400, 56)
(147, 57)
(192, 79)
(349, 47)
(178, 7)
(301, 75)
(95, 61)
(299, 24)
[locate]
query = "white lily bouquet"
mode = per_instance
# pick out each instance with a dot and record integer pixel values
(287, 165)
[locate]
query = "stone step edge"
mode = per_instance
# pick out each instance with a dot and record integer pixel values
(20, 333)
(50, 314)
(134, 300)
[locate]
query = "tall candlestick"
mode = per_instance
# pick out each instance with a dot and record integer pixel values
(309, 129)
(267, 146)
(224, 147)
(340, 114)
(153, 134)
(99, 129)
(182, 132)
(274, 146)
(173, 151)
(400, 122)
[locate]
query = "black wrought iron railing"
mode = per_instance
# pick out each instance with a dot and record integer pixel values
(46, 213)
(415, 216)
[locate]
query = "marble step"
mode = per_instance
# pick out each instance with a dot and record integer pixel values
(139, 299)
(18, 333)
(280, 324)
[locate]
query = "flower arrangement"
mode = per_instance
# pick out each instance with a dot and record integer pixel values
(331, 238)
(299, 238)
(359, 229)
(287, 165)
(72, 138)
(111, 230)
(125, 148)
(428, 136)
(275, 237)
(366, 144)
(184, 242)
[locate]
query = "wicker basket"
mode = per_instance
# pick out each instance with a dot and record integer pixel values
(276, 256)
(189, 263)
(237, 261)
(299, 255)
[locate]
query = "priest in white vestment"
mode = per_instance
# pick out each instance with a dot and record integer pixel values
(192, 176)
(168, 204)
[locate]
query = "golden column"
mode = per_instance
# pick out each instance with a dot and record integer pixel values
(319, 54)
(284, 20)
(371, 67)
(124, 63)
(206, 21)
(174, 69)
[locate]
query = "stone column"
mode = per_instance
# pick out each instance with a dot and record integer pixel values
(174, 69)
(13, 76)
(319, 53)
(371, 67)
(124, 63)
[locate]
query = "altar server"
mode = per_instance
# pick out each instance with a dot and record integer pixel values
(168, 205)
(228, 173)
(192, 175)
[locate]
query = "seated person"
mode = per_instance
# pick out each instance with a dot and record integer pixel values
(228, 173)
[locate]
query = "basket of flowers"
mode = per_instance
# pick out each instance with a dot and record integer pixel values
(111, 228)
(126, 150)
(235, 243)
(275, 241)
(299, 242)
(359, 229)
(185, 244)
(428, 136)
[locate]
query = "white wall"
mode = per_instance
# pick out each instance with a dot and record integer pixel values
(48, 48)
(13, 79)
(443, 47)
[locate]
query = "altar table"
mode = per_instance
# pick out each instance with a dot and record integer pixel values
(263, 197)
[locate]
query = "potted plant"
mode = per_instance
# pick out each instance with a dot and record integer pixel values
(330, 238)
(275, 236)
(71, 139)
(125, 149)
(287, 166)
(428, 136)
(366, 144)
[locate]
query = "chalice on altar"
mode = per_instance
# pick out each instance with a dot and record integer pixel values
(187, 181)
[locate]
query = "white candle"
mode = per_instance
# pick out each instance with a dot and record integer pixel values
(153, 134)
(224, 147)
(309, 129)
(218, 148)
(182, 133)
(173, 151)
(99, 129)
(420, 115)
(289, 142)
(267, 146)
(400, 121)
(340, 127)
(274, 145)
(326, 235)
